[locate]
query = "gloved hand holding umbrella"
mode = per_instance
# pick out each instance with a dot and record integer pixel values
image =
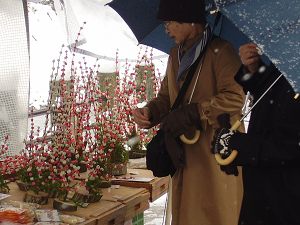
(230, 155)
(180, 121)
(224, 154)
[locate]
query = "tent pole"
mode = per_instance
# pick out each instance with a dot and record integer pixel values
(169, 203)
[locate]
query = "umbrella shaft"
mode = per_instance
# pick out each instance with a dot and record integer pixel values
(266, 91)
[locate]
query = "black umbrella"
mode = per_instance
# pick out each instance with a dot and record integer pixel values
(275, 26)
(140, 15)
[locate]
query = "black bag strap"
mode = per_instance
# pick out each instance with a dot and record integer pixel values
(193, 68)
(187, 80)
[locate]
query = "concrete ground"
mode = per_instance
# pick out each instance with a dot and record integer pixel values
(155, 214)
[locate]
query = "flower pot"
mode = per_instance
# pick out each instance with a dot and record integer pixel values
(87, 198)
(137, 154)
(66, 206)
(39, 198)
(53, 193)
(105, 184)
(118, 169)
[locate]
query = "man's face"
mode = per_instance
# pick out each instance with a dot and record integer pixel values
(179, 32)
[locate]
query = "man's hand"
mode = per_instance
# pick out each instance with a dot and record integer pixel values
(141, 117)
(250, 57)
(181, 120)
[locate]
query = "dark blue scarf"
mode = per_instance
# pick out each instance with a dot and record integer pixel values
(193, 53)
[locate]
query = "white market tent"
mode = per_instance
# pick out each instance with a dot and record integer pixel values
(26, 55)
(103, 35)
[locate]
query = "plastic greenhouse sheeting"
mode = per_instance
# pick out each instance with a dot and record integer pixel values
(14, 74)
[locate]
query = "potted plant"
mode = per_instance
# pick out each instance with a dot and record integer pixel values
(36, 192)
(63, 172)
(22, 173)
(119, 159)
(137, 149)
(91, 192)
(35, 177)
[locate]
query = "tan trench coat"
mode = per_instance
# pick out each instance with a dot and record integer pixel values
(202, 193)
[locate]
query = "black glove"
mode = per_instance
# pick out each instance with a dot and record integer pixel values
(180, 120)
(221, 140)
(230, 170)
(221, 143)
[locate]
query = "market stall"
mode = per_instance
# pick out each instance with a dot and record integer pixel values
(117, 206)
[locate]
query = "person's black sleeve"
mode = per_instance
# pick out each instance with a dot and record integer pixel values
(282, 147)
(255, 83)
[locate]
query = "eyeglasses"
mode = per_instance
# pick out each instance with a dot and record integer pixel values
(167, 23)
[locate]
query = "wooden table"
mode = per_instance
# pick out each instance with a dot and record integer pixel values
(134, 178)
(115, 207)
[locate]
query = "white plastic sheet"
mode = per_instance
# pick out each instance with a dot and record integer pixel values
(14, 74)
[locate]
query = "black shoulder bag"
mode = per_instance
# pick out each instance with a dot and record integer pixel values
(157, 156)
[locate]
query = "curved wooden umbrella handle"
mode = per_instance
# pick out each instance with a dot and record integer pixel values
(228, 160)
(233, 154)
(185, 140)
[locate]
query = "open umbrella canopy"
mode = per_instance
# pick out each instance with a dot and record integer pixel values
(140, 15)
(275, 26)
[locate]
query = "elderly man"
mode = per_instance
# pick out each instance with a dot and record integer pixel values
(202, 194)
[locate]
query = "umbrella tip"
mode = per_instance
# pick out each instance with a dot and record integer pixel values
(296, 96)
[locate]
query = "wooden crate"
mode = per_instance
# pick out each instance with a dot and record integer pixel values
(136, 205)
(156, 186)
(117, 217)
(136, 200)
(103, 212)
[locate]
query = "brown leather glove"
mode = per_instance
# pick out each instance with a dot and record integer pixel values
(180, 120)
